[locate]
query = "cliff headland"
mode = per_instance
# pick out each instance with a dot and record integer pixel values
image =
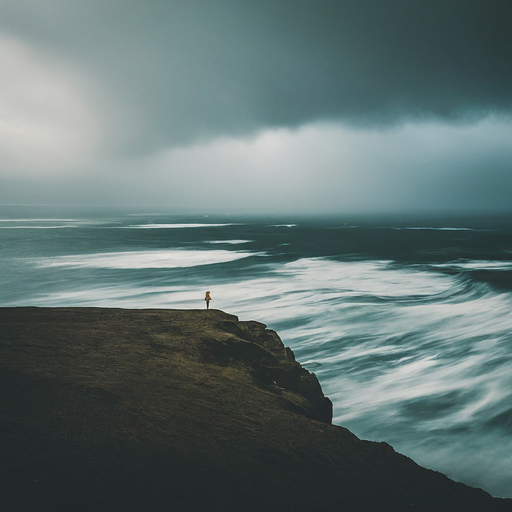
(174, 410)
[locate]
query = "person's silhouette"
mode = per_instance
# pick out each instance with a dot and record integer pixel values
(207, 299)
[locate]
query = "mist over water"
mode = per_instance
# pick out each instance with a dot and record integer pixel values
(406, 322)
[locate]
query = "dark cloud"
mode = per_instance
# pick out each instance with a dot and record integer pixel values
(185, 70)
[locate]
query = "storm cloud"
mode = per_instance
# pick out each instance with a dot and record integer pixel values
(123, 81)
(182, 70)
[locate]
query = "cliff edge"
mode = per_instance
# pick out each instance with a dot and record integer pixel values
(175, 410)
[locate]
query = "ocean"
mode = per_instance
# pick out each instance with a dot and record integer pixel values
(406, 321)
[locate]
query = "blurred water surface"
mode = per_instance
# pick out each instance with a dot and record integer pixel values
(406, 321)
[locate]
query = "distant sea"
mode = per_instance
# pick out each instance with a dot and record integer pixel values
(407, 322)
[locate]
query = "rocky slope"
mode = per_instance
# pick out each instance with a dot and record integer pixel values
(163, 410)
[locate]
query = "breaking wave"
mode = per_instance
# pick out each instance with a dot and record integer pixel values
(179, 258)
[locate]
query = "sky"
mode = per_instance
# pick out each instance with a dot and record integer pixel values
(320, 106)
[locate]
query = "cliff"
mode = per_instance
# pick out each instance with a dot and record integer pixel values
(164, 410)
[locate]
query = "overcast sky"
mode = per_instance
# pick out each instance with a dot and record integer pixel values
(300, 105)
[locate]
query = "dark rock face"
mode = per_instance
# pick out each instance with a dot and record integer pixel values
(273, 366)
(163, 410)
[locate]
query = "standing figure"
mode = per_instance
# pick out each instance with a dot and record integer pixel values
(207, 299)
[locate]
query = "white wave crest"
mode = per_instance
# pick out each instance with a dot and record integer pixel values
(39, 227)
(478, 265)
(231, 242)
(38, 220)
(145, 259)
(174, 226)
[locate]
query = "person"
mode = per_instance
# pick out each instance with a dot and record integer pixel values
(207, 299)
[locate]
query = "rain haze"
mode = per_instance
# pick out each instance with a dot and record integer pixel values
(325, 106)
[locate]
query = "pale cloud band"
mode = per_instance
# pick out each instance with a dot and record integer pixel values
(48, 123)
